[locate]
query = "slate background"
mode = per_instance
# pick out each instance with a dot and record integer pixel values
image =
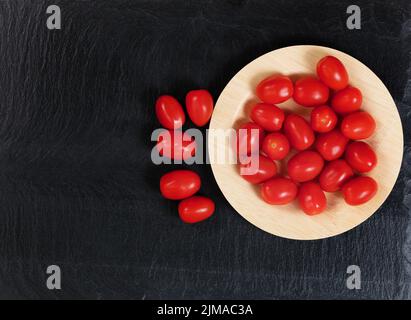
(78, 189)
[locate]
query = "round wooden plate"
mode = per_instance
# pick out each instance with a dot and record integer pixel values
(288, 221)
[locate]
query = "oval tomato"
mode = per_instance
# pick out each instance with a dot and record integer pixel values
(200, 105)
(169, 112)
(196, 209)
(250, 137)
(311, 198)
(279, 191)
(360, 156)
(258, 171)
(359, 190)
(358, 125)
(334, 175)
(179, 184)
(310, 92)
(331, 145)
(323, 119)
(347, 100)
(276, 146)
(268, 116)
(298, 132)
(275, 89)
(332, 72)
(176, 145)
(305, 166)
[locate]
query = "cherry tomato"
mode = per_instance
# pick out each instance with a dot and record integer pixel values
(311, 198)
(334, 175)
(196, 209)
(179, 184)
(298, 131)
(347, 100)
(332, 72)
(259, 172)
(275, 89)
(279, 191)
(323, 119)
(331, 145)
(169, 112)
(249, 138)
(276, 146)
(268, 116)
(305, 166)
(200, 105)
(358, 125)
(359, 190)
(360, 156)
(176, 145)
(310, 92)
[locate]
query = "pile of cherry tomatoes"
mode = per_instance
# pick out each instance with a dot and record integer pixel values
(329, 156)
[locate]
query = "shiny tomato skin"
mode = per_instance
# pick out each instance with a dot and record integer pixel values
(179, 184)
(358, 125)
(276, 146)
(323, 119)
(359, 190)
(169, 112)
(347, 100)
(334, 175)
(200, 106)
(275, 89)
(268, 116)
(331, 145)
(196, 209)
(279, 191)
(332, 72)
(305, 166)
(266, 169)
(176, 145)
(250, 137)
(360, 156)
(311, 198)
(298, 132)
(310, 92)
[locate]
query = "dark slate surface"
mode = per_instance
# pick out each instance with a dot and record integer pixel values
(78, 189)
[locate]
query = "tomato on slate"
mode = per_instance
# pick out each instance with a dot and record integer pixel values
(323, 119)
(268, 116)
(176, 145)
(259, 172)
(276, 146)
(311, 198)
(305, 166)
(249, 139)
(179, 184)
(298, 131)
(359, 190)
(196, 209)
(275, 89)
(310, 92)
(332, 72)
(358, 125)
(360, 156)
(169, 112)
(331, 145)
(279, 191)
(334, 175)
(347, 100)
(200, 105)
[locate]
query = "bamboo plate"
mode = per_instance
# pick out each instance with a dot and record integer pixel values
(288, 221)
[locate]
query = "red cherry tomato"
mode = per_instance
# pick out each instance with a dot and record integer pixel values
(359, 190)
(334, 175)
(305, 166)
(169, 112)
(200, 105)
(249, 139)
(331, 145)
(179, 184)
(268, 116)
(347, 100)
(275, 89)
(276, 146)
(176, 145)
(323, 119)
(310, 92)
(358, 125)
(196, 209)
(360, 156)
(311, 198)
(298, 131)
(332, 72)
(279, 191)
(259, 172)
